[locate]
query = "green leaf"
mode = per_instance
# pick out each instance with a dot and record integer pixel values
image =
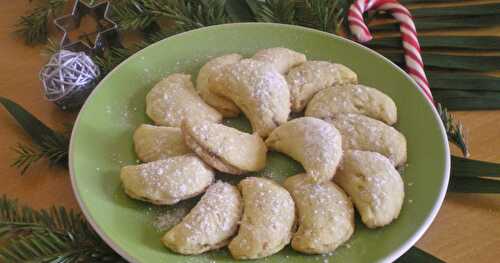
(473, 185)
(462, 81)
(416, 255)
(239, 11)
(425, 1)
(468, 100)
(463, 167)
(441, 23)
(449, 42)
(465, 10)
(254, 6)
(38, 131)
(448, 61)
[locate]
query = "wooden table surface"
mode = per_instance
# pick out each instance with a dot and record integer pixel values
(467, 228)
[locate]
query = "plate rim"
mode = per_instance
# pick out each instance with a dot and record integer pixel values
(395, 254)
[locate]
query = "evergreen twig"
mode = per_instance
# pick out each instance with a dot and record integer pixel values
(26, 156)
(54, 149)
(132, 15)
(276, 11)
(54, 235)
(328, 14)
(50, 144)
(115, 56)
(189, 14)
(454, 129)
(33, 27)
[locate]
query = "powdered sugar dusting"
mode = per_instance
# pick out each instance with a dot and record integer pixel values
(172, 217)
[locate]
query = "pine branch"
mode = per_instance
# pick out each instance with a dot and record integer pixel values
(50, 144)
(454, 129)
(189, 14)
(26, 156)
(54, 149)
(51, 47)
(34, 26)
(55, 235)
(276, 11)
(326, 15)
(115, 56)
(132, 15)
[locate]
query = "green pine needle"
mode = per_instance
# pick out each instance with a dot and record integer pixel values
(51, 47)
(49, 143)
(328, 13)
(26, 156)
(454, 129)
(33, 27)
(54, 149)
(132, 15)
(189, 14)
(276, 11)
(115, 56)
(54, 235)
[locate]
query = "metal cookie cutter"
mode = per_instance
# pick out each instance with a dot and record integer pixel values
(106, 33)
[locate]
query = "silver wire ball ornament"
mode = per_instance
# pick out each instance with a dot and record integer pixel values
(68, 78)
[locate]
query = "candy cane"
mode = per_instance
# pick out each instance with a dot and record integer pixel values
(413, 59)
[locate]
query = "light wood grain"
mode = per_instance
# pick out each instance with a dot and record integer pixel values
(467, 229)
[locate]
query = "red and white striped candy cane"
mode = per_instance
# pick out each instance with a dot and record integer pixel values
(413, 59)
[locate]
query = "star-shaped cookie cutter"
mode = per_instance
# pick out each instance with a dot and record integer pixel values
(106, 31)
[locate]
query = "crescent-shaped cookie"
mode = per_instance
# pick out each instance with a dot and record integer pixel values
(206, 76)
(364, 133)
(357, 99)
(267, 222)
(325, 215)
(210, 224)
(314, 143)
(224, 148)
(153, 143)
(168, 181)
(375, 187)
(281, 58)
(259, 90)
(312, 76)
(174, 98)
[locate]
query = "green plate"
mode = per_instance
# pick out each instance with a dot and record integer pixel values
(101, 142)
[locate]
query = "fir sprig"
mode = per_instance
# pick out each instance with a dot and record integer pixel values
(26, 156)
(276, 11)
(189, 14)
(326, 15)
(115, 55)
(49, 143)
(52, 148)
(54, 235)
(132, 15)
(454, 129)
(33, 27)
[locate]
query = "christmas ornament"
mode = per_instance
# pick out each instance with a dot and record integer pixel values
(70, 75)
(411, 46)
(68, 78)
(106, 32)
